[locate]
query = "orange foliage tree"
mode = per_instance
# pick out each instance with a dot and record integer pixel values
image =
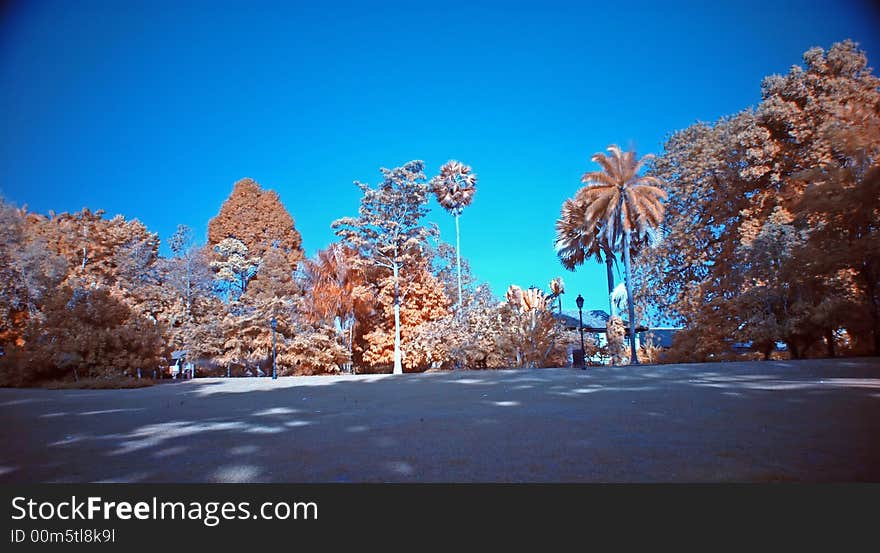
(29, 272)
(773, 226)
(258, 219)
(88, 332)
(389, 237)
(423, 301)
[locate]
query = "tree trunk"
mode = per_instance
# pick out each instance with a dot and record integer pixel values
(875, 316)
(188, 291)
(458, 259)
(351, 346)
(398, 365)
(793, 349)
(870, 281)
(609, 265)
(629, 300)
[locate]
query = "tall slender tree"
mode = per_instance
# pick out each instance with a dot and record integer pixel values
(188, 285)
(454, 188)
(616, 205)
(388, 233)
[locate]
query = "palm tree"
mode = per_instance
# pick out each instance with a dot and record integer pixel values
(557, 288)
(576, 242)
(617, 206)
(331, 280)
(454, 188)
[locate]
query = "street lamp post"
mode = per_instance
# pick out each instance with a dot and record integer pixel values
(580, 303)
(274, 324)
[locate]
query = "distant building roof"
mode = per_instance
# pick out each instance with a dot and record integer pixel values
(594, 320)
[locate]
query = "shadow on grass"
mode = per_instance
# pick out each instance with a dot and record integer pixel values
(811, 420)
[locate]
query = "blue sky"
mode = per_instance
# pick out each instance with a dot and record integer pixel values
(154, 109)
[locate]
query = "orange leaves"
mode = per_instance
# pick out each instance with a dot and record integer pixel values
(424, 301)
(390, 238)
(89, 331)
(557, 286)
(259, 220)
(330, 281)
(770, 208)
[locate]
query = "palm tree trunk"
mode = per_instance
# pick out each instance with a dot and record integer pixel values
(398, 365)
(458, 258)
(629, 300)
(609, 265)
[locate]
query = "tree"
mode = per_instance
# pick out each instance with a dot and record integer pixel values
(425, 302)
(709, 172)
(29, 272)
(188, 272)
(451, 269)
(454, 188)
(258, 219)
(187, 283)
(772, 229)
(97, 250)
(272, 295)
(304, 346)
(578, 239)
(489, 334)
(557, 288)
(329, 281)
(532, 336)
(235, 268)
(313, 349)
(388, 233)
(469, 338)
(616, 203)
(615, 331)
(89, 332)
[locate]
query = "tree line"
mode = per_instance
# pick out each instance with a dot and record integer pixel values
(86, 296)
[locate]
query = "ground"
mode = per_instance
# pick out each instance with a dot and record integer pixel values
(816, 420)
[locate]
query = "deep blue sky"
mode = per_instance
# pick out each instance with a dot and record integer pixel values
(154, 109)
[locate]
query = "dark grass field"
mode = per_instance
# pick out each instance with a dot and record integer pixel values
(816, 420)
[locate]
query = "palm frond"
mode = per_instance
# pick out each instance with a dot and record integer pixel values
(616, 201)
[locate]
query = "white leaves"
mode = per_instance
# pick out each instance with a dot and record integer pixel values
(455, 186)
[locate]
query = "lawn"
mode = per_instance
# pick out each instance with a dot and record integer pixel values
(815, 420)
